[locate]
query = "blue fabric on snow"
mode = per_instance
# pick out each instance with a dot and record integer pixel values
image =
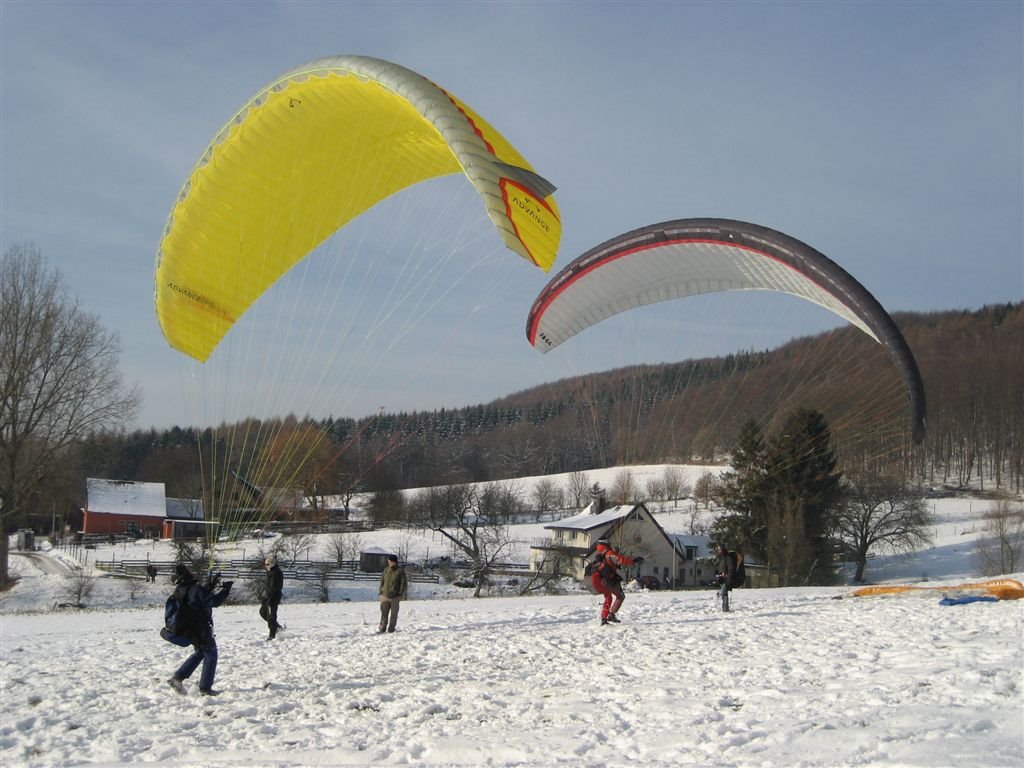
(965, 600)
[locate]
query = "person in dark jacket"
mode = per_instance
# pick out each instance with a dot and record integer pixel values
(608, 582)
(273, 590)
(394, 587)
(201, 599)
(726, 576)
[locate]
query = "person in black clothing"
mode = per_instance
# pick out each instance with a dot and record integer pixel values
(201, 599)
(726, 575)
(274, 589)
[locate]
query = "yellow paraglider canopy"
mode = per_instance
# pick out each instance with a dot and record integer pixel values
(311, 151)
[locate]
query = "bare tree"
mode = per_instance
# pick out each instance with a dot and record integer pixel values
(349, 486)
(545, 493)
(697, 525)
(880, 511)
(404, 548)
(656, 489)
(356, 545)
(79, 586)
(675, 484)
(344, 547)
(321, 583)
(1001, 547)
(133, 587)
(503, 500)
(578, 486)
(705, 489)
(625, 489)
(470, 520)
(292, 545)
(549, 572)
(59, 381)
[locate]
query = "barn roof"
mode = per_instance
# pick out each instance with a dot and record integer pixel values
(125, 497)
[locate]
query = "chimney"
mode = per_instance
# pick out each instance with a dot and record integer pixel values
(597, 501)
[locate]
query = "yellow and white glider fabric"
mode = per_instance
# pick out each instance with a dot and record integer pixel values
(1004, 589)
(311, 151)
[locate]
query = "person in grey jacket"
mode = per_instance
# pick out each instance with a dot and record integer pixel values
(394, 587)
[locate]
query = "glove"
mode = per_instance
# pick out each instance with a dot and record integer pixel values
(226, 586)
(638, 560)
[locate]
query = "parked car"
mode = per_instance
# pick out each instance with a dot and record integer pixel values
(648, 582)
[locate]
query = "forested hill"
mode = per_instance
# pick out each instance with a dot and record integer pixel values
(970, 362)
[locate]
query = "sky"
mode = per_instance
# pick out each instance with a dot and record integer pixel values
(813, 677)
(886, 135)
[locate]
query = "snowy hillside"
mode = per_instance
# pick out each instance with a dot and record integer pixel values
(790, 677)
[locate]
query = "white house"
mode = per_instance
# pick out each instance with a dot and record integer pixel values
(631, 529)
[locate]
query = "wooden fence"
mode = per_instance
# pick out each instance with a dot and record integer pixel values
(314, 571)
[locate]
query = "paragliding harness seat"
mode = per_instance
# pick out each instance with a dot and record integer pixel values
(181, 620)
(589, 569)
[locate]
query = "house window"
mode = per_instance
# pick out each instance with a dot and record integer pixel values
(133, 528)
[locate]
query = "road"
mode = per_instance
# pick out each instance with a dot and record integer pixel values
(44, 562)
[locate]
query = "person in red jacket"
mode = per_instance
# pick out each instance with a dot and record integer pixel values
(607, 581)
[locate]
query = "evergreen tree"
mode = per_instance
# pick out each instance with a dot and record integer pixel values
(743, 492)
(803, 491)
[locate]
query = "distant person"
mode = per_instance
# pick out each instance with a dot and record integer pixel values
(273, 590)
(394, 588)
(199, 600)
(151, 573)
(608, 582)
(731, 573)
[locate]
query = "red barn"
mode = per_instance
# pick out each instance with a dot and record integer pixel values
(124, 507)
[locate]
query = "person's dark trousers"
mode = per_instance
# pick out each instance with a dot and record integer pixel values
(205, 653)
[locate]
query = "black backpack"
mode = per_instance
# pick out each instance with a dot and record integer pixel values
(181, 621)
(593, 565)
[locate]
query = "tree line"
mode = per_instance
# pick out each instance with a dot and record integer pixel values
(969, 361)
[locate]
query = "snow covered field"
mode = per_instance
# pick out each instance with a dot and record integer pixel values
(790, 677)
